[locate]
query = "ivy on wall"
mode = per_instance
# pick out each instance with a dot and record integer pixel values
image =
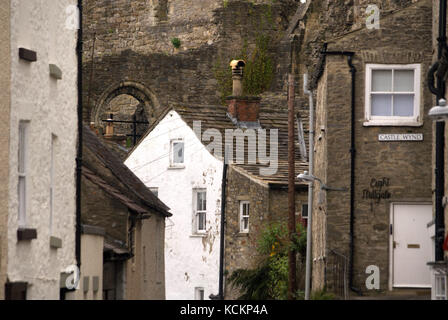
(258, 73)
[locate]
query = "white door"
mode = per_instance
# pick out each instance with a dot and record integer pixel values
(411, 245)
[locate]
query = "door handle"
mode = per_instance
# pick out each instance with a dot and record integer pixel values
(395, 244)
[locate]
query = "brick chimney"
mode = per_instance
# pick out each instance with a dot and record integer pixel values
(242, 110)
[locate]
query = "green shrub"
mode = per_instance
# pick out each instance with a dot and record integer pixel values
(176, 42)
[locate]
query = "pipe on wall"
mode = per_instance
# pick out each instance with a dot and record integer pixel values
(349, 56)
(439, 170)
(79, 48)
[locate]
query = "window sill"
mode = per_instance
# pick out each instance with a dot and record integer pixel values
(26, 234)
(243, 234)
(176, 167)
(198, 235)
(392, 123)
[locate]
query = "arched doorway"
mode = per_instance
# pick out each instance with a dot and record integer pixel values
(124, 112)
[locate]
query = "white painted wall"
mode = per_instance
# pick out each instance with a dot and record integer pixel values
(50, 106)
(190, 261)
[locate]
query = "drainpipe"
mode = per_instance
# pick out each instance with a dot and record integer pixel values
(349, 56)
(79, 151)
(310, 188)
(440, 136)
(223, 222)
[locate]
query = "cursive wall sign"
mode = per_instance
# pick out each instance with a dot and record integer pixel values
(377, 190)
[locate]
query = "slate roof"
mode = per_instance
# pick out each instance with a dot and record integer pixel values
(135, 195)
(271, 117)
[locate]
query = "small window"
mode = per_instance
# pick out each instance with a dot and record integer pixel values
(177, 153)
(200, 211)
(244, 216)
(440, 287)
(392, 94)
(199, 293)
(22, 172)
(304, 211)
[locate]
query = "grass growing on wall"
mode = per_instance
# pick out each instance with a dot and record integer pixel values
(258, 73)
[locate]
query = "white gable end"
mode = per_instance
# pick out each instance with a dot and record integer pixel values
(191, 257)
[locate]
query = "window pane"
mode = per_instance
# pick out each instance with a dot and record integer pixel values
(246, 223)
(201, 221)
(22, 201)
(404, 105)
(382, 80)
(178, 152)
(201, 201)
(381, 105)
(404, 80)
(22, 146)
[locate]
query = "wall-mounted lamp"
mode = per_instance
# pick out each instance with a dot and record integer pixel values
(310, 178)
(439, 112)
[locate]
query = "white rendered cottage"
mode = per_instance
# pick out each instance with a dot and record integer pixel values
(172, 161)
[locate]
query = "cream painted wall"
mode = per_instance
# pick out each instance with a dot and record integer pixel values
(91, 266)
(190, 261)
(50, 106)
(5, 77)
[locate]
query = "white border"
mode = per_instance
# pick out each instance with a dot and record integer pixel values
(393, 121)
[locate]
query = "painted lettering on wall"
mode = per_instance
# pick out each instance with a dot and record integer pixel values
(377, 190)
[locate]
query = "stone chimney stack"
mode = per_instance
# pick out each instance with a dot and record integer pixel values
(242, 110)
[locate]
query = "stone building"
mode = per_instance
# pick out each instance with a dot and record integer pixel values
(132, 63)
(373, 137)
(256, 192)
(124, 224)
(38, 135)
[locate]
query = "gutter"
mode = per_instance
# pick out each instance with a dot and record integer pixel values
(349, 56)
(223, 222)
(79, 151)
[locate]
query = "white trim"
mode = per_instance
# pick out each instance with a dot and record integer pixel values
(413, 121)
(195, 225)
(391, 244)
(22, 173)
(179, 165)
(242, 203)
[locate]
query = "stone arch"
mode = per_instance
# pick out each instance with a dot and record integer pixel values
(137, 90)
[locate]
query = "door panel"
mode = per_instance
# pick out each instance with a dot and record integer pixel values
(411, 245)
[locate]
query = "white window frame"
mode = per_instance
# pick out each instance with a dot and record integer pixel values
(199, 293)
(443, 279)
(196, 212)
(172, 163)
(415, 120)
(22, 166)
(243, 216)
(52, 177)
(305, 210)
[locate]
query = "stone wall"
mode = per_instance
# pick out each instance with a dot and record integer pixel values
(267, 205)
(133, 43)
(405, 164)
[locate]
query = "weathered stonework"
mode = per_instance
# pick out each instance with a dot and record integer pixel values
(405, 164)
(267, 204)
(161, 75)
